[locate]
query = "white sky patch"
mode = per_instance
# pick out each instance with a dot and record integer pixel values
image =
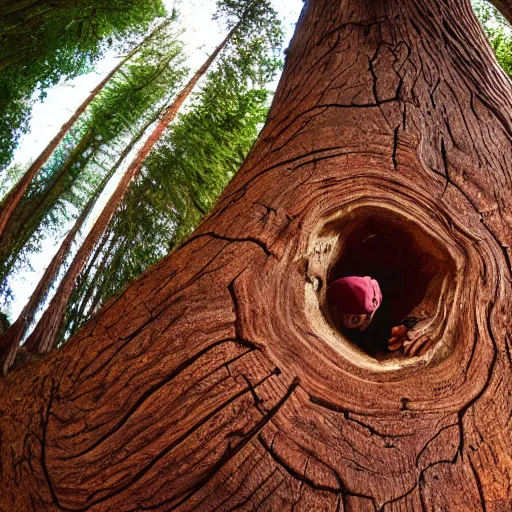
(201, 36)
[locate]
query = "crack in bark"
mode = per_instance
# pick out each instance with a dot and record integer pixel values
(341, 490)
(363, 25)
(296, 474)
(259, 243)
(143, 471)
(229, 453)
(398, 498)
(395, 147)
(346, 414)
(478, 485)
(240, 485)
(240, 504)
(432, 439)
(45, 423)
(371, 62)
(147, 394)
(490, 374)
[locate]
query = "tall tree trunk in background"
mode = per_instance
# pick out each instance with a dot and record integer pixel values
(13, 198)
(44, 336)
(217, 381)
(30, 214)
(91, 295)
(94, 293)
(10, 339)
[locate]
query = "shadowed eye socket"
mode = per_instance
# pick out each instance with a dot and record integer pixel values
(354, 321)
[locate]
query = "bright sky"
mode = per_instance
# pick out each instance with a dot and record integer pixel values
(200, 37)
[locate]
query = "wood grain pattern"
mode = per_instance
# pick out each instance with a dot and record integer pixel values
(216, 382)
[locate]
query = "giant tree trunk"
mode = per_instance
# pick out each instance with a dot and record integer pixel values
(217, 381)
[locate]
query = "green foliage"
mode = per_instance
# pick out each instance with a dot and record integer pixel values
(43, 41)
(498, 32)
(181, 181)
(192, 164)
(74, 170)
(12, 175)
(254, 50)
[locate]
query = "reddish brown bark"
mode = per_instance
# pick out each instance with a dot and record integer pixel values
(216, 381)
(11, 201)
(42, 339)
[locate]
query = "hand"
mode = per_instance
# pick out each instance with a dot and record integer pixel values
(419, 346)
(399, 337)
(412, 342)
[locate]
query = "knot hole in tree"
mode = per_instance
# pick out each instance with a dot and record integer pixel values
(413, 269)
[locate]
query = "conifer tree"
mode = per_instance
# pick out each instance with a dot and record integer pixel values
(244, 18)
(43, 42)
(11, 337)
(10, 202)
(140, 87)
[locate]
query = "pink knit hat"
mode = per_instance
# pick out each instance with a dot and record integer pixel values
(355, 295)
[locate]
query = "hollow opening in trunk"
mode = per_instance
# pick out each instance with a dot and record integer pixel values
(402, 258)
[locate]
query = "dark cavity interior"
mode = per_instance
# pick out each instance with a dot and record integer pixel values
(400, 256)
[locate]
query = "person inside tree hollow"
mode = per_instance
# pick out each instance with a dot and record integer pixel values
(355, 302)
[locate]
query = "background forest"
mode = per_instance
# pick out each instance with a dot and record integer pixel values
(166, 113)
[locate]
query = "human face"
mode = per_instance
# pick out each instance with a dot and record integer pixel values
(356, 322)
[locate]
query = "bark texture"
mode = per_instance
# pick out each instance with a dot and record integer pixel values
(216, 382)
